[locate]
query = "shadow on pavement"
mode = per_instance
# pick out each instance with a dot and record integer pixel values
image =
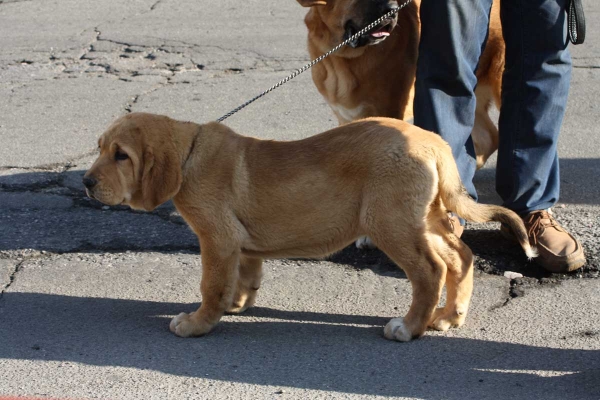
(330, 352)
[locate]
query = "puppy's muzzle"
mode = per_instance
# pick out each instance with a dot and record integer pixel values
(89, 182)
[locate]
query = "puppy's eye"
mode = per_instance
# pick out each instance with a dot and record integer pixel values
(120, 156)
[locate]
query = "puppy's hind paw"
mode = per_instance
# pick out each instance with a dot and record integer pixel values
(184, 325)
(397, 330)
(365, 243)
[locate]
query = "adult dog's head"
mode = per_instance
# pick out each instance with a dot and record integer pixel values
(138, 164)
(344, 18)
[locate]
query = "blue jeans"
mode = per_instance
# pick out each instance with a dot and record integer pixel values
(535, 88)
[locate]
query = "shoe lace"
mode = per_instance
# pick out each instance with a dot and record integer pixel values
(538, 222)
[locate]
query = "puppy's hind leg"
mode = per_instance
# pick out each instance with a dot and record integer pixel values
(219, 277)
(459, 282)
(426, 272)
(248, 283)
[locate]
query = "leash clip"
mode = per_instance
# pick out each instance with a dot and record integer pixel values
(576, 22)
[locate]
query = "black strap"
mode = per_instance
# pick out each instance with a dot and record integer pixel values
(576, 24)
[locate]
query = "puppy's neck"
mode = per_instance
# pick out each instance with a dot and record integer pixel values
(202, 142)
(185, 137)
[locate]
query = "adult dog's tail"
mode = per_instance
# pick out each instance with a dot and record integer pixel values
(457, 200)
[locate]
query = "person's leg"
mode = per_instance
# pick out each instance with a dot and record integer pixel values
(453, 33)
(535, 88)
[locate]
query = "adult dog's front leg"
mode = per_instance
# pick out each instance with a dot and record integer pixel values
(219, 277)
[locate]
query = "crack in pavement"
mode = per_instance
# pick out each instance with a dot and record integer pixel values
(35, 169)
(513, 291)
(141, 56)
(53, 167)
(129, 105)
(518, 287)
(14, 1)
(13, 91)
(11, 278)
(511, 295)
(26, 255)
(153, 7)
(126, 60)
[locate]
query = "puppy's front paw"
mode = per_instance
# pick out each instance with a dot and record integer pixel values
(365, 243)
(396, 330)
(185, 325)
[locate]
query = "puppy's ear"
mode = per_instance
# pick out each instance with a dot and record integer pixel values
(161, 179)
(310, 3)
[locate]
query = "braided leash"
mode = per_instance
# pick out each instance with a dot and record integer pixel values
(318, 59)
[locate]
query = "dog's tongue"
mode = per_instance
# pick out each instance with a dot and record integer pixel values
(380, 34)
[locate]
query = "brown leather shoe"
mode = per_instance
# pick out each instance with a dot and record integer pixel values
(455, 225)
(558, 250)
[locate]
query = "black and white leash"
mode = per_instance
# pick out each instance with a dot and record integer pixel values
(318, 59)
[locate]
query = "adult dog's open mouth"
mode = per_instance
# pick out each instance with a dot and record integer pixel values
(382, 32)
(377, 35)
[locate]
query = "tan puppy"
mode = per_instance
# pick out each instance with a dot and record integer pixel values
(374, 76)
(250, 199)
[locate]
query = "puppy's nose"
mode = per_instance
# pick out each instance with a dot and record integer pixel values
(89, 182)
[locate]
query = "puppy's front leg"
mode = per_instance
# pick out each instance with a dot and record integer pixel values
(219, 276)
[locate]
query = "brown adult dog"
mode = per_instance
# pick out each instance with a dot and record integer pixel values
(249, 199)
(374, 75)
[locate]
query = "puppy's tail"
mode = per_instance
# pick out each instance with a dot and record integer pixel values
(456, 199)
